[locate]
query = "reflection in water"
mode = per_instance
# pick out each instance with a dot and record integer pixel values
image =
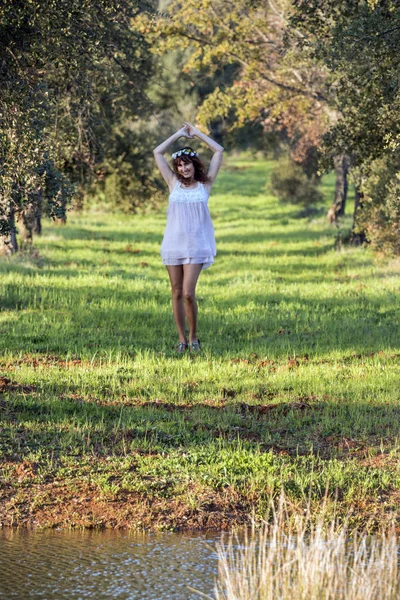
(71, 565)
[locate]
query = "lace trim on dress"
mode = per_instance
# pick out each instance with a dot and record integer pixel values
(197, 194)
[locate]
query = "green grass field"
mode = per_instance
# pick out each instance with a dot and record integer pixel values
(297, 386)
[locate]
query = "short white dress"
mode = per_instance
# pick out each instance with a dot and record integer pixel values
(189, 234)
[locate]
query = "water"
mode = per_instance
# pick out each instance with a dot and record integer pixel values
(106, 564)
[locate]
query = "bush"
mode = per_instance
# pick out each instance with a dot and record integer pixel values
(128, 180)
(379, 213)
(123, 191)
(291, 185)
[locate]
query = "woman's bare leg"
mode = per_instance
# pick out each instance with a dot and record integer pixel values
(176, 278)
(190, 276)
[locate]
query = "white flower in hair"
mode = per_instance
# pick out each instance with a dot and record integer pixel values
(184, 151)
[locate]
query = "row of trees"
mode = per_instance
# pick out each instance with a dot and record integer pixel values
(322, 76)
(88, 87)
(359, 43)
(73, 75)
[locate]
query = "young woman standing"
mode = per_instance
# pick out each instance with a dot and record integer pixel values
(189, 243)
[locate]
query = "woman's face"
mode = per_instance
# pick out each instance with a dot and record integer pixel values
(186, 169)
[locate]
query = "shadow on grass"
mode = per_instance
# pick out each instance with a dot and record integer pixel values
(122, 235)
(74, 425)
(134, 313)
(274, 323)
(53, 448)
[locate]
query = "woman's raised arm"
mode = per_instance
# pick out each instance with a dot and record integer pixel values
(218, 150)
(158, 152)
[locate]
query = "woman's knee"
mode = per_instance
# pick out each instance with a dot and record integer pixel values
(176, 292)
(189, 295)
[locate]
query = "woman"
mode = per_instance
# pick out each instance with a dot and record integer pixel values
(189, 243)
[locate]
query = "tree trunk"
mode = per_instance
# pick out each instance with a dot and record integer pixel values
(358, 236)
(9, 243)
(13, 232)
(26, 223)
(337, 209)
(37, 226)
(37, 222)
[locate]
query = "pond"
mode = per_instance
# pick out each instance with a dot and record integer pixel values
(106, 564)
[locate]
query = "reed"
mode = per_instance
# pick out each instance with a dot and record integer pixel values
(307, 561)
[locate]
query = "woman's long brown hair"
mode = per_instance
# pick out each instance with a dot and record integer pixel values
(200, 171)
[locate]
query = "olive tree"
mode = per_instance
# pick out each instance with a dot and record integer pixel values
(70, 72)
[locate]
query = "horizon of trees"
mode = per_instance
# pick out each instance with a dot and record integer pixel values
(88, 88)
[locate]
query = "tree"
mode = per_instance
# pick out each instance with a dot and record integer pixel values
(70, 72)
(359, 43)
(278, 82)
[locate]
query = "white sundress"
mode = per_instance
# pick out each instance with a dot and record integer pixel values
(189, 234)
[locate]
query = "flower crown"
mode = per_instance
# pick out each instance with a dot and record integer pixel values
(186, 151)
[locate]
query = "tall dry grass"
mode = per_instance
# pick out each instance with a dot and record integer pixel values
(307, 562)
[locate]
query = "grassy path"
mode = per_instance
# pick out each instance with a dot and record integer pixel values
(298, 385)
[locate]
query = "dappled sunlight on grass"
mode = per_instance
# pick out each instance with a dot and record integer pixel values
(298, 374)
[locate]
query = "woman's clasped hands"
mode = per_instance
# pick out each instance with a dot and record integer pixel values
(188, 130)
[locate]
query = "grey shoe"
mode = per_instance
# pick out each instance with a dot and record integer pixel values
(195, 346)
(182, 347)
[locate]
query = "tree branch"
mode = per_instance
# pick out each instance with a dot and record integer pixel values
(387, 31)
(283, 86)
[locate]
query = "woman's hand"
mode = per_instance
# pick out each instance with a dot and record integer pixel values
(191, 131)
(185, 131)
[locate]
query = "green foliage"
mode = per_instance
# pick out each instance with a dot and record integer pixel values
(379, 214)
(70, 72)
(257, 79)
(365, 53)
(126, 178)
(173, 93)
(290, 183)
(123, 190)
(359, 44)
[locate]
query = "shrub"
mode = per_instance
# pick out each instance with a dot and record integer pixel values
(291, 185)
(379, 214)
(122, 190)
